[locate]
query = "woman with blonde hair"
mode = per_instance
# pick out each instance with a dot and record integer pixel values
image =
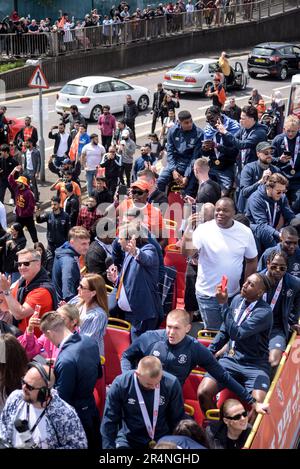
(93, 307)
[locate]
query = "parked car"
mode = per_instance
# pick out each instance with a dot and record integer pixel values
(91, 93)
(13, 128)
(277, 59)
(196, 76)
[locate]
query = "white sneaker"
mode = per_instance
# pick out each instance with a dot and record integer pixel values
(11, 202)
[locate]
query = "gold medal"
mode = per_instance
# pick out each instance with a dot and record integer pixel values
(217, 162)
(152, 443)
(293, 172)
(231, 352)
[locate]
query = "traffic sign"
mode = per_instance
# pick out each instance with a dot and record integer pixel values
(38, 79)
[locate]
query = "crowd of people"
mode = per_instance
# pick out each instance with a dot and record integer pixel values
(237, 231)
(107, 28)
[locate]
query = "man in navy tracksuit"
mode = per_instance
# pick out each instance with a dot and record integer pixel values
(179, 353)
(76, 370)
(184, 145)
(254, 174)
(286, 152)
(222, 158)
(247, 324)
(289, 244)
(124, 422)
(284, 298)
(265, 208)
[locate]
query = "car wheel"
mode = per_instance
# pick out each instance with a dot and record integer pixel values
(143, 103)
(206, 88)
(96, 112)
(283, 73)
(252, 74)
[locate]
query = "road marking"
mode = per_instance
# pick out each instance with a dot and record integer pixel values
(27, 98)
(282, 87)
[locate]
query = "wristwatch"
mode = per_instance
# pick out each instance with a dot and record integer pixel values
(6, 292)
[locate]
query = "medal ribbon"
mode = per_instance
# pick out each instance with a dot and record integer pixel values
(276, 295)
(150, 428)
(217, 153)
(239, 318)
(271, 220)
(296, 152)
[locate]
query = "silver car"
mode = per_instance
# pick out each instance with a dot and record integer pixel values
(196, 76)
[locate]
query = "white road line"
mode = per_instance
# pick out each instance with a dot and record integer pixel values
(282, 87)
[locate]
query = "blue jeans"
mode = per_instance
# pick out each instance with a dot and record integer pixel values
(90, 174)
(211, 311)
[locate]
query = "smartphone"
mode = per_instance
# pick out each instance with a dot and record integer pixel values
(194, 208)
(122, 189)
(224, 282)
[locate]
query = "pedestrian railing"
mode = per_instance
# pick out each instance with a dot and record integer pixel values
(108, 35)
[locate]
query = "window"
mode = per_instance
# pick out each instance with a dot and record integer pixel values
(102, 88)
(262, 51)
(288, 50)
(296, 50)
(74, 89)
(187, 67)
(120, 86)
(213, 68)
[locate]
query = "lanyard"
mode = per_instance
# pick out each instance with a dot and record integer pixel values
(38, 420)
(146, 418)
(245, 151)
(239, 318)
(217, 153)
(297, 147)
(271, 220)
(276, 295)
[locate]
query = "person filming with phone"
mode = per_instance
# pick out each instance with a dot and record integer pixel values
(286, 154)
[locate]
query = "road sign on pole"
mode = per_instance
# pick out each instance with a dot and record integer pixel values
(38, 80)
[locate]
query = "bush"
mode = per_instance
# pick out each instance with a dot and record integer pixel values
(11, 65)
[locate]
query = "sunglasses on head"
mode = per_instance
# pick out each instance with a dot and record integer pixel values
(237, 416)
(137, 192)
(28, 386)
(282, 268)
(25, 263)
(82, 287)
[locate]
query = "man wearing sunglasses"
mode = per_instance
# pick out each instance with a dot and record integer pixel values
(268, 210)
(284, 299)
(254, 174)
(33, 288)
(53, 424)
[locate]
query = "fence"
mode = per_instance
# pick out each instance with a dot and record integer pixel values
(106, 35)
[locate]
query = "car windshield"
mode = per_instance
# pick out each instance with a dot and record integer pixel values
(263, 51)
(78, 90)
(188, 67)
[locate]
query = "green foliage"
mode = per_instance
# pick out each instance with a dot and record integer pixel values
(11, 65)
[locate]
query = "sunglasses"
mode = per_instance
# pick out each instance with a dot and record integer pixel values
(137, 192)
(25, 263)
(28, 386)
(282, 268)
(82, 287)
(237, 416)
(268, 152)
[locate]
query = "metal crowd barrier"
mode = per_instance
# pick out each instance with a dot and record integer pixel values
(107, 35)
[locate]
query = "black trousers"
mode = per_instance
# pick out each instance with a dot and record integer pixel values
(156, 116)
(126, 168)
(3, 186)
(30, 225)
(106, 141)
(131, 125)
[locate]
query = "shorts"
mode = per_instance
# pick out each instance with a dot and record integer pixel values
(249, 376)
(277, 340)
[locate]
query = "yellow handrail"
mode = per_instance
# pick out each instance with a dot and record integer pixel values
(172, 248)
(207, 334)
(213, 414)
(175, 188)
(170, 223)
(270, 392)
(120, 324)
(109, 288)
(189, 409)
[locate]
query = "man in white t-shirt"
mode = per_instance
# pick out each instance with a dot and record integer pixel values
(222, 245)
(91, 157)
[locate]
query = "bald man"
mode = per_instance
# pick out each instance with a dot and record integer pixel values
(133, 401)
(54, 424)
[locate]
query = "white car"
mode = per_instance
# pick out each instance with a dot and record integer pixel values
(196, 76)
(91, 93)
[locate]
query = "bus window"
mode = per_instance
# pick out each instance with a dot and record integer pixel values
(294, 99)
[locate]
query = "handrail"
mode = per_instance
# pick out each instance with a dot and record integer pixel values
(259, 418)
(212, 414)
(189, 409)
(55, 43)
(210, 334)
(119, 324)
